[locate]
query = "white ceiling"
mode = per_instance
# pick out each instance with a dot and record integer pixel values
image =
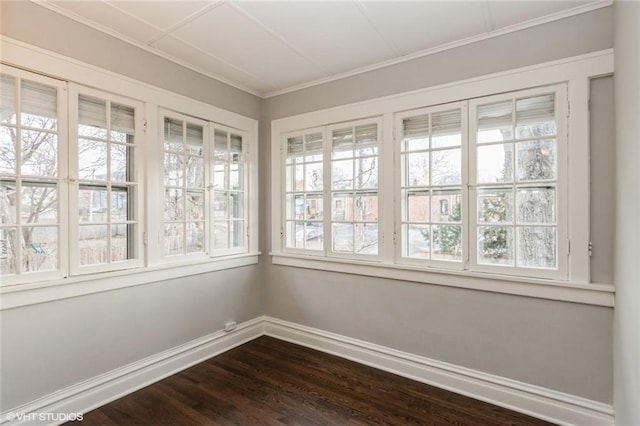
(271, 47)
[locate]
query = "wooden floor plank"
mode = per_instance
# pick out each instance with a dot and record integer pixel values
(272, 382)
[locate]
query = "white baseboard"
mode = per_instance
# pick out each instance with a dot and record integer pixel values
(547, 404)
(100, 390)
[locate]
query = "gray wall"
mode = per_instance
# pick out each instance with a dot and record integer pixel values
(627, 247)
(562, 346)
(53, 345)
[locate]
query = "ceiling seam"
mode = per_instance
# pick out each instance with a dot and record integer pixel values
(390, 44)
(198, 13)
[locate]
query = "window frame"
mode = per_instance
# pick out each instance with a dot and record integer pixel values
(576, 72)
(61, 178)
(75, 268)
(61, 285)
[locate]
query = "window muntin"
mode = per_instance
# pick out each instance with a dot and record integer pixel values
(304, 191)
(518, 146)
(106, 191)
(228, 183)
(184, 186)
(31, 121)
(354, 189)
(431, 184)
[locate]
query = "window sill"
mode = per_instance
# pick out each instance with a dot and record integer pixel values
(589, 294)
(18, 295)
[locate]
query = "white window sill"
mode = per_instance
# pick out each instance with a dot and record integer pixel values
(590, 294)
(18, 295)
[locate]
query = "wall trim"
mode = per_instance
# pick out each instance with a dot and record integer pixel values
(100, 390)
(536, 401)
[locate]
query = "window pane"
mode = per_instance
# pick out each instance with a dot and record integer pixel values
(366, 140)
(536, 205)
(295, 234)
(195, 205)
(536, 160)
(195, 172)
(535, 117)
(446, 167)
(313, 236)
(39, 203)
(342, 146)
(93, 204)
(173, 135)
(93, 244)
(7, 99)
(342, 207)
(447, 242)
(417, 206)
(537, 247)
(8, 161)
(495, 205)
(236, 176)
(295, 206)
(416, 132)
(445, 129)
(366, 238)
(237, 205)
(92, 160)
(342, 174)
(313, 177)
(299, 179)
(495, 163)
(173, 169)
(314, 209)
(195, 139)
(417, 169)
(8, 251)
(92, 117)
(237, 234)
(39, 153)
(195, 237)
(235, 148)
(39, 106)
(366, 173)
(495, 245)
(220, 175)
(40, 248)
(173, 238)
(366, 207)
(221, 235)
(121, 158)
(122, 119)
(343, 237)
(445, 206)
(174, 204)
(120, 203)
(8, 205)
(495, 122)
(121, 235)
(313, 147)
(220, 208)
(295, 148)
(417, 239)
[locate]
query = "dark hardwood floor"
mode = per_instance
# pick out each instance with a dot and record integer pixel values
(269, 381)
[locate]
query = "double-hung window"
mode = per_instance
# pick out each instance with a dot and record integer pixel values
(32, 191)
(106, 169)
(338, 218)
(205, 188)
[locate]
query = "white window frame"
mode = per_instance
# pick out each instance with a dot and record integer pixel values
(62, 178)
(562, 199)
(76, 90)
(464, 186)
(63, 284)
(575, 72)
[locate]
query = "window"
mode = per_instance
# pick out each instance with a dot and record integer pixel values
(205, 188)
(479, 186)
(346, 155)
(32, 120)
(106, 186)
(184, 185)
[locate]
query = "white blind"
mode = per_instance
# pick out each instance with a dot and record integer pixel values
(495, 115)
(417, 126)
(535, 110)
(39, 100)
(7, 97)
(367, 135)
(93, 112)
(446, 122)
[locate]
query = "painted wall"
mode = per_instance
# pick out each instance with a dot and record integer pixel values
(562, 346)
(627, 246)
(53, 345)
